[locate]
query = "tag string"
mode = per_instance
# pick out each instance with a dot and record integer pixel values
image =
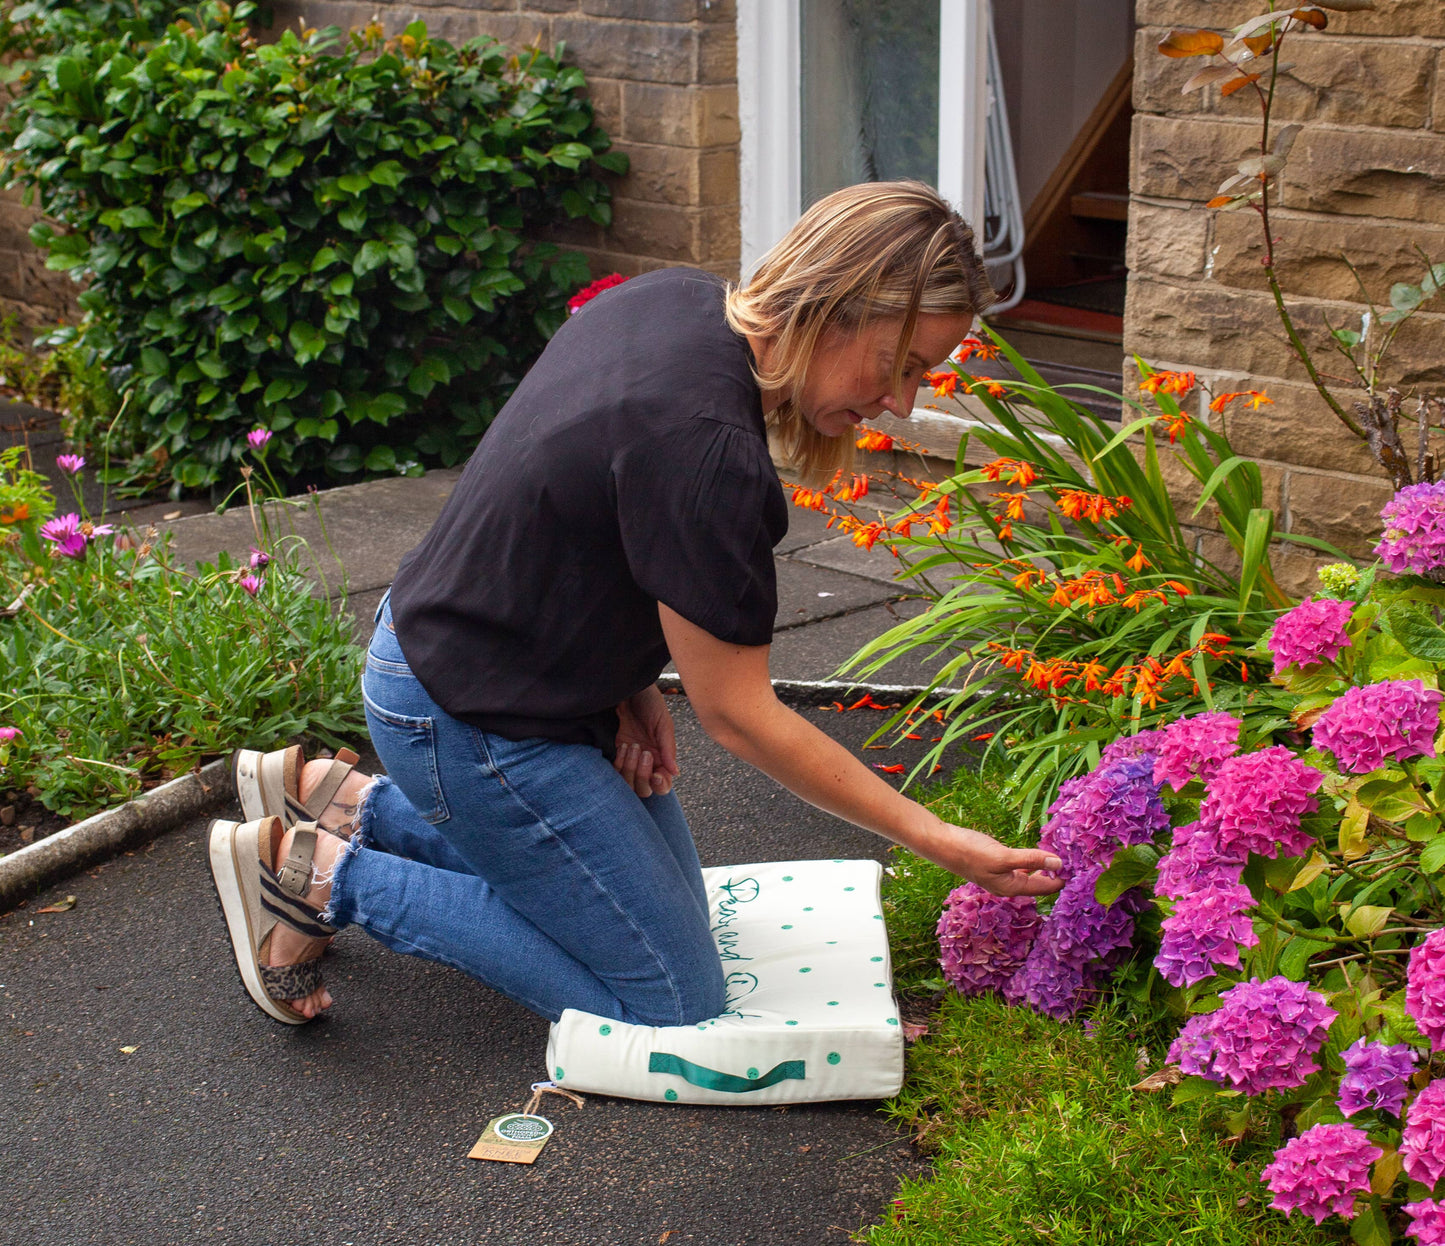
(546, 1088)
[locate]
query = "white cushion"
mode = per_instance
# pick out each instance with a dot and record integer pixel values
(810, 1011)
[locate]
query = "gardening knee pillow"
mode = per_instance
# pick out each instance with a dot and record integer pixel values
(809, 1015)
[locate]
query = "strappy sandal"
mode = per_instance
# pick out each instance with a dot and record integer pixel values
(269, 784)
(255, 897)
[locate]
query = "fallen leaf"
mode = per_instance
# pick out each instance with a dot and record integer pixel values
(1169, 1075)
(914, 1030)
(666, 1233)
(60, 906)
(130, 1051)
(171, 515)
(1141, 1060)
(898, 769)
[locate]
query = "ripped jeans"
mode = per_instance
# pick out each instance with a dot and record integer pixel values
(529, 864)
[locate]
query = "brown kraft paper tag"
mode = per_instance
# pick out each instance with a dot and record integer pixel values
(516, 1138)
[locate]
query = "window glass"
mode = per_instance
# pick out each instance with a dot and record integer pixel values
(869, 92)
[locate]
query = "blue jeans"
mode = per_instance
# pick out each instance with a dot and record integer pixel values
(528, 864)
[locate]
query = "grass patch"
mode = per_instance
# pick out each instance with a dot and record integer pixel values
(1037, 1138)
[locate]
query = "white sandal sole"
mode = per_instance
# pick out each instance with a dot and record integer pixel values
(228, 842)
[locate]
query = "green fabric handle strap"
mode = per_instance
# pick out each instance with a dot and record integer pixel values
(728, 1083)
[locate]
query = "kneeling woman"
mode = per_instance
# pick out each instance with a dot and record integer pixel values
(621, 509)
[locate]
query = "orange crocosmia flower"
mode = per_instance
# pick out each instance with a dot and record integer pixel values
(870, 439)
(1011, 471)
(995, 388)
(1222, 401)
(1013, 505)
(1025, 578)
(18, 512)
(810, 499)
(940, 521)
(1257, 399)
(944, 382)
(1138, 563)
(853, 490)
(1092, 674)
(1095, 507)
(1214, 644)
(1006, 532)
(1183, 590)
(1168, 383)
(1175, 425)
(1178, 666)
(898, 769)
(972, 346)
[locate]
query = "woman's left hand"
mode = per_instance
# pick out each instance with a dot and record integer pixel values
(646, 745)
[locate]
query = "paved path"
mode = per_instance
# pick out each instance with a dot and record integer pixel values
(223, 1126)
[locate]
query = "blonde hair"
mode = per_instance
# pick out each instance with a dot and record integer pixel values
(876, 250)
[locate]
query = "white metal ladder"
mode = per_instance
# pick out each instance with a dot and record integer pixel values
(1003, 217)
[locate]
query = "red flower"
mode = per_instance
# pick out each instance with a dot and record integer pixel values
(589, 292)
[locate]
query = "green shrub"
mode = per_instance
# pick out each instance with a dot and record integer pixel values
(323, 237)
(123, 668)
(1037, 1138)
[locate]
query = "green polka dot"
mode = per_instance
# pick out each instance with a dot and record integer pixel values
(604, 1030)
(788, 927)
(807, 908)
(671, 1095)
(806, 969)
(790, 1023)
(702, 1025)
(847, 888)
(877, 917)
(559, 1074)
(837, 860)
(787, 878)
(880, 984)
(752, 1072)
(832, 1003)
(875, 959)
(833, 1057)
(892, 1020)
(832, 942)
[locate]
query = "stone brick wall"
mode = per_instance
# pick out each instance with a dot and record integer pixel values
(1366, 178)
(662, 75)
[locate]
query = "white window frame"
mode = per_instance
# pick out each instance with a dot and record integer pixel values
(770, 157)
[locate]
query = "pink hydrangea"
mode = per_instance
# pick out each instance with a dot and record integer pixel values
(1255, 802)
(1194, 747)
(1194, 861)
(1414, 536)
(1425, 988)
(1423, 1145)
(1321, 1171)
(1311, 633)
(1264, 1035)
(1427, 1222)
(1369, 726)
(1208, 927)
(983, 939)
(1376, 1077)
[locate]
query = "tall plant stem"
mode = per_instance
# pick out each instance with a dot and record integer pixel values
(1300, 350)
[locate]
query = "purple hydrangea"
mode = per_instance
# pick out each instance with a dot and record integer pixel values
(1256, 800)
(1414, 536)
(1208, 927)
(1194, 747)
(1264, 1035)
(1321, 1171)
(1113, 807)
(1427, 1222)
(1311, 633)
(1368, 726)
(1048, 985)
(1078, 929)
(1194, 861)
(1423, 1145)
(1376, 1077)
(983, 939)
(1140, 744)
(1425, 988)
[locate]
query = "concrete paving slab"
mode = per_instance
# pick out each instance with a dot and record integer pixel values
(841, 554)
(807, 593)
(370, 526)
(804, 528)
(222, 1125)
(816, 651)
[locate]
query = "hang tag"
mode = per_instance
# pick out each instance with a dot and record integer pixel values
(516, 1138)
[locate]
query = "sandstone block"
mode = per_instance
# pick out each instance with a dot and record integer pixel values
(645, 10)
(1211, 14)
(513, 30)
(1438, 111)
(1187, 158)
(1296, 568)
(680, 116)
(1341, 510)
(1367, 173)
(634, 51)
(549, 6)
(50, 294)
(606, 97)
(1168, 242)
(717, 53)
(1236, 331)
(1309, 253)
(1389, 17)
(657, 231)
(1296, 427)
(1185, 490)
(720, 232)
(662, 174)
(1401, 18)
(718, 176)
(1159, 80)
(1355, 82)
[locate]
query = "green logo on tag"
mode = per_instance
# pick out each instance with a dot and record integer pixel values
(523, 1128)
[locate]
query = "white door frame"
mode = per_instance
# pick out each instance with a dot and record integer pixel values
(770, 115)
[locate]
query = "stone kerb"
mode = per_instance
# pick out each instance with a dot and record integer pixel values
(1366, 179)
